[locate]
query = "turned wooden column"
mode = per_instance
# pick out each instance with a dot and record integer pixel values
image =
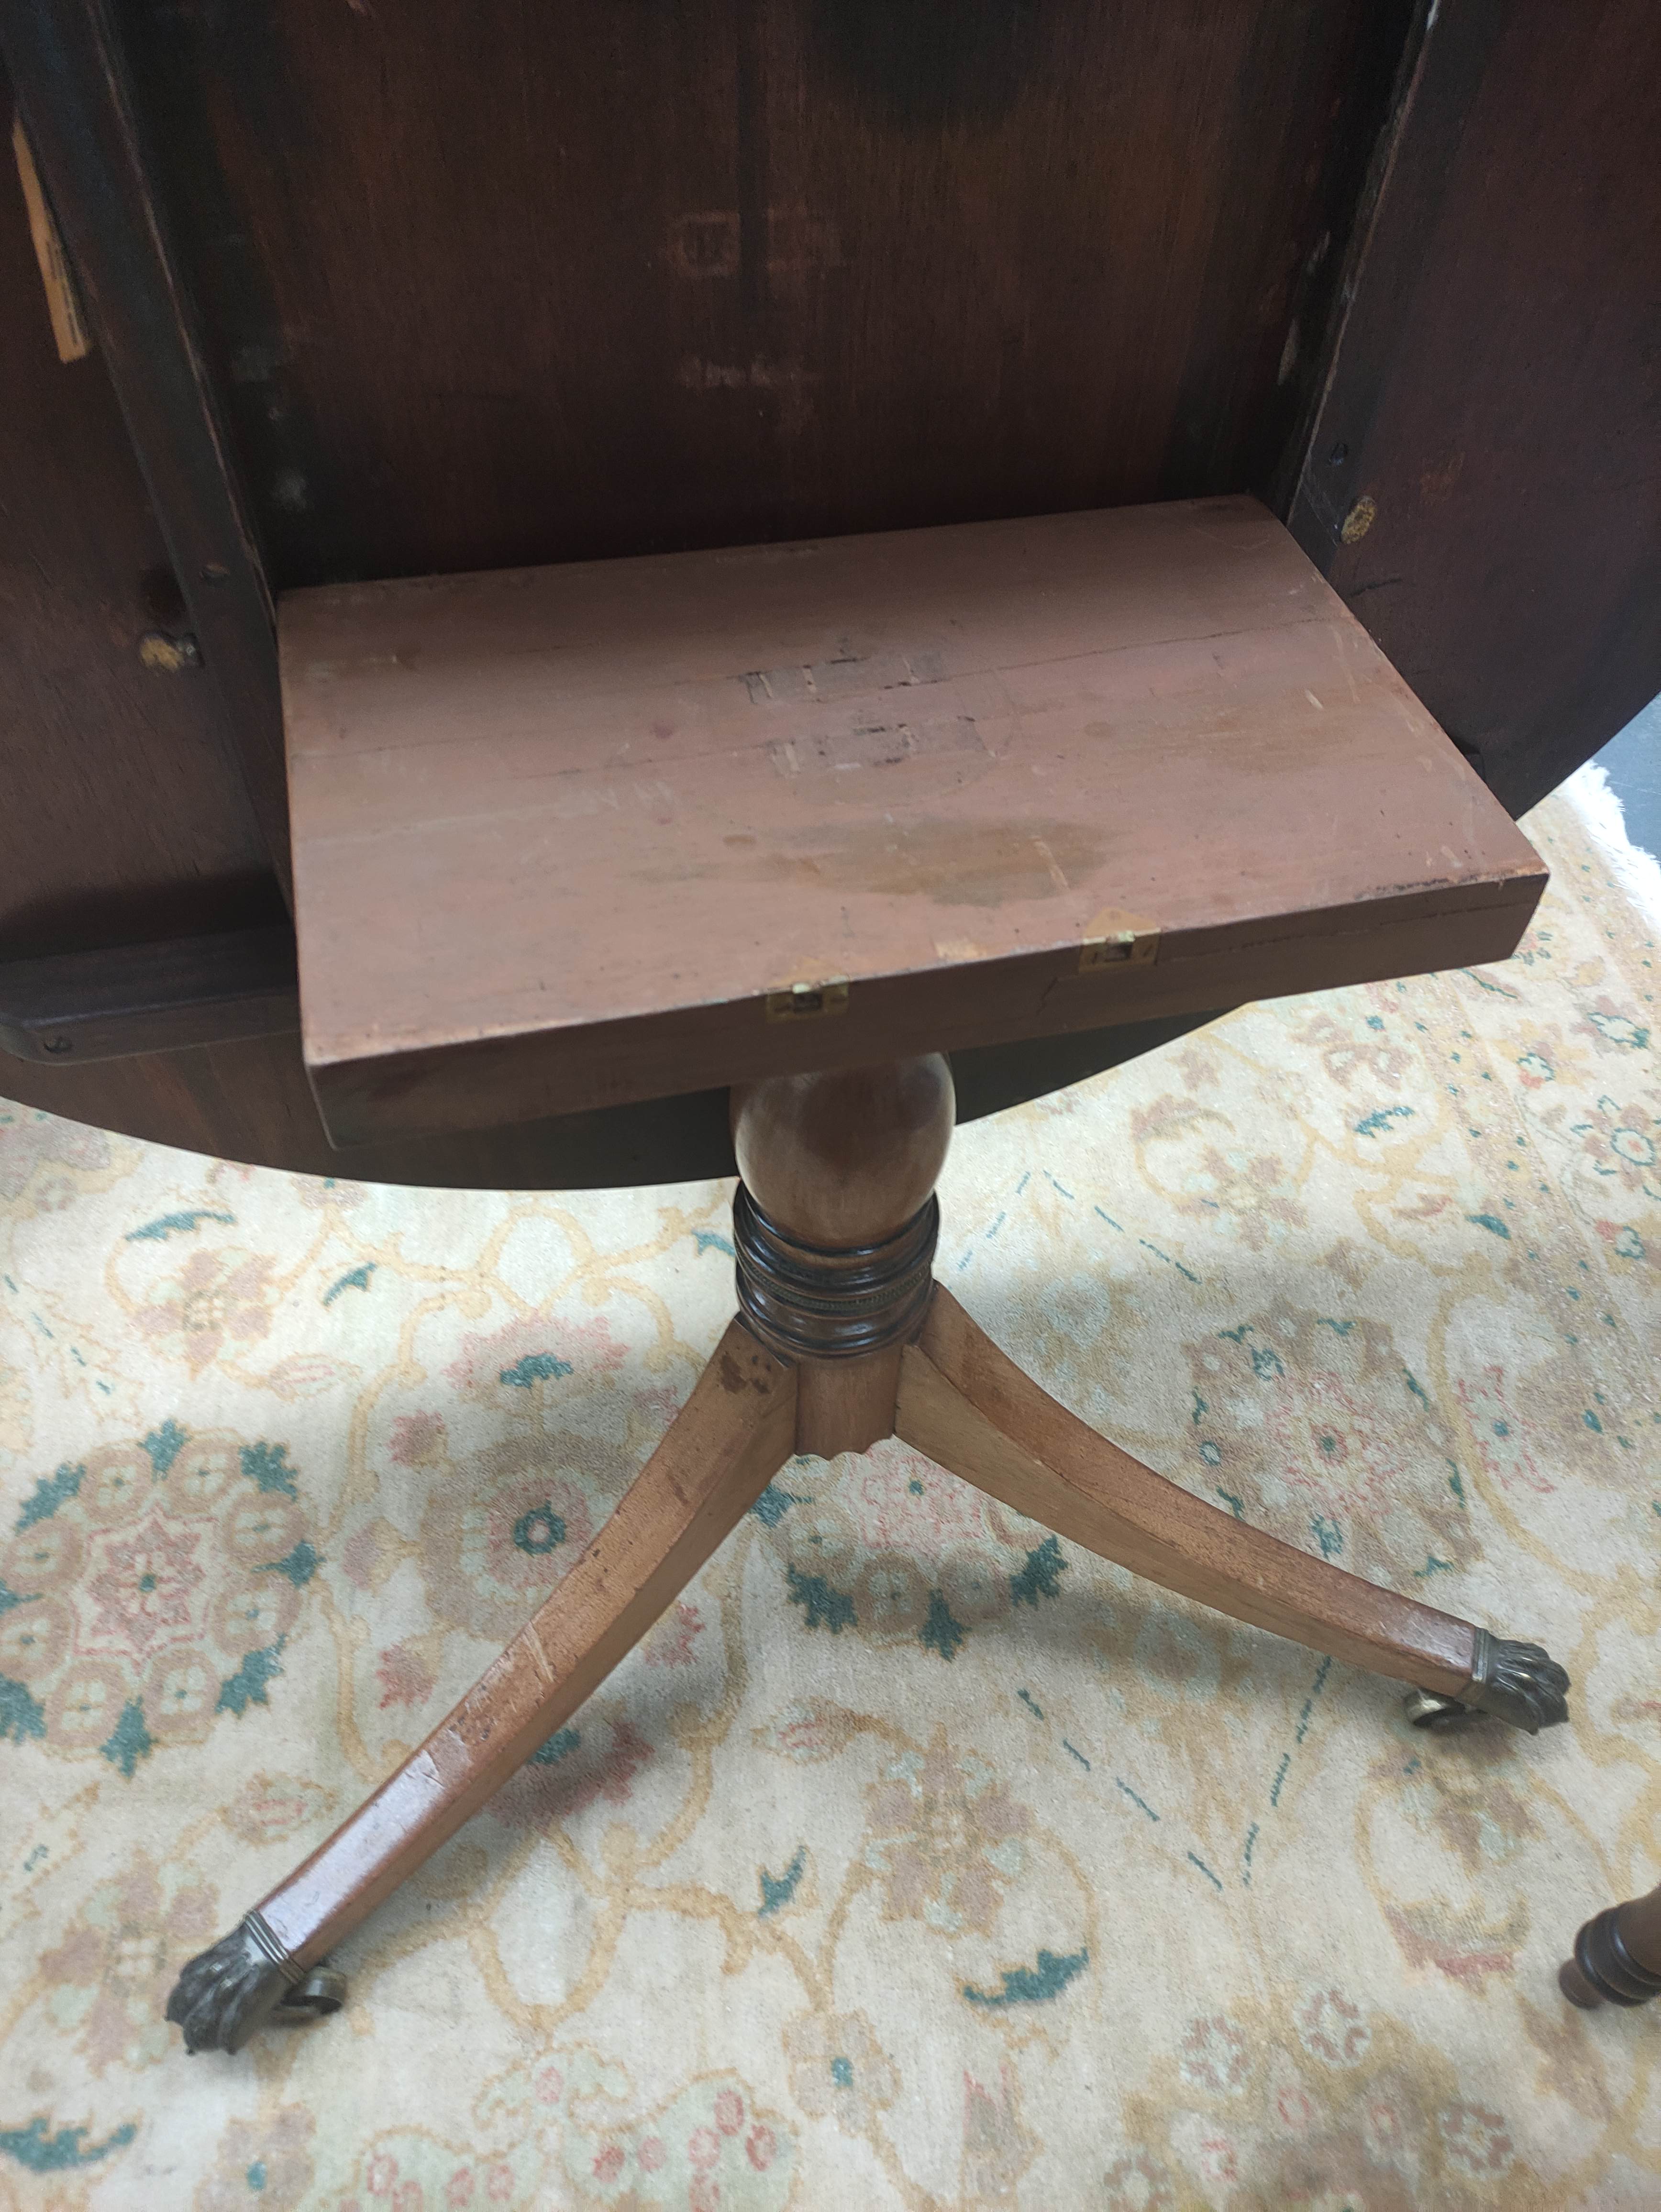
(835, 1224)
(1617, 1956)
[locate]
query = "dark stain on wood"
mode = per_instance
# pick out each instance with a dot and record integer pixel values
(930, 65)
(735, 1378)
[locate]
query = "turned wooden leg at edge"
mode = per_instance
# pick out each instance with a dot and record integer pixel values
(728, 1441)
(1617, 1956)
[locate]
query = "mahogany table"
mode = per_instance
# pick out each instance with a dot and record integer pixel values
(798, 818)
(294, 297)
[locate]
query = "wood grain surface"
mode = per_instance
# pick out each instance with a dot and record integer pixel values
(1496, 392)
(249, 1100)
(968, 1406)
(506, 285)
(730, 1438)
(567, 837)
(77, 1007)
(845, 1157)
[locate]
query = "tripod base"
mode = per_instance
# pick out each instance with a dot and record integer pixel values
(841, 1338)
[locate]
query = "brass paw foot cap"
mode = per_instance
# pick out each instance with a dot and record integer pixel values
(244, 1980)
(1520, 1683)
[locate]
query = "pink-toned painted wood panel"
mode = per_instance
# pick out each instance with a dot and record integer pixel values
(540, 809)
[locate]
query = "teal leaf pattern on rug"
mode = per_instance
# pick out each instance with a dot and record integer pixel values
(31, 2147)
(21, 1716)
(168, 1225)
(535, 1367)
(50, 1491)
(1031, 1984)
(777, 1890)
(1374, 1125)
(357, 1279)
(1618, 1030)
(130, 1740)
(300, 1564)
(1328, 1534)
(266, 1467)
(1041, 1576)
(247, 1686)
(825, 1607)
(942, 1631)
(770, 1508)
(164, 1445)
(563, 1743)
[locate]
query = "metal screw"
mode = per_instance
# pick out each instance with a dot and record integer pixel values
(1360, 519)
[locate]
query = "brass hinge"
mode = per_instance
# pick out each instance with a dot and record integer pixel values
(808, 1002)
(1113, 939)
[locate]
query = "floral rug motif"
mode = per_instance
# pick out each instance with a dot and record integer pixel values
(916, 1859)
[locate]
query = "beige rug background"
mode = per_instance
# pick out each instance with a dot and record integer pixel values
(915, 1860)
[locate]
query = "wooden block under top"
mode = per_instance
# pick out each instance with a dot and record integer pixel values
(576, 835)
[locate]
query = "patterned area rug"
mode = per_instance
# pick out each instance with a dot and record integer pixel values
(916, 1859)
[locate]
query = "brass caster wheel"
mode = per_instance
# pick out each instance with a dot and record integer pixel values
(322, 1993)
